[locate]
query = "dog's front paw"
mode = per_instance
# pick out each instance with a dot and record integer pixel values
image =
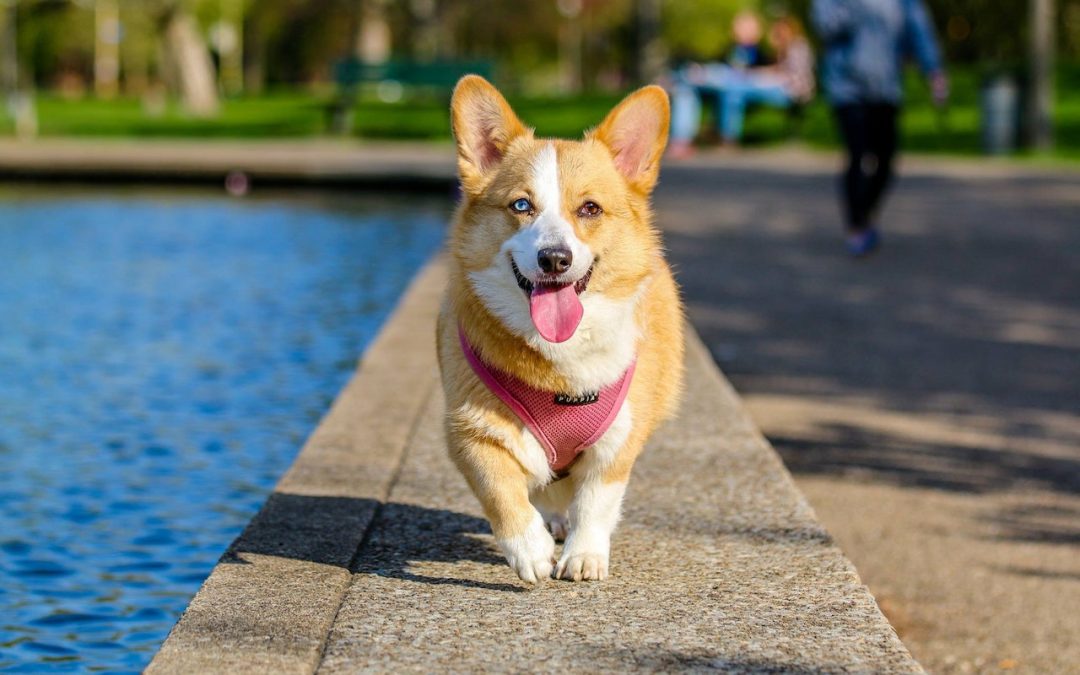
(585, 557)
(582, 567)
(531, 554)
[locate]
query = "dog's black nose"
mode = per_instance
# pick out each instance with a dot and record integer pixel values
(555, 260)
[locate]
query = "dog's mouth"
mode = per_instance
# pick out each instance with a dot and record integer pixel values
(524, 284)
(554, 307)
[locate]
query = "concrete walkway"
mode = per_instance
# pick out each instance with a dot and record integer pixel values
(926, 399)
(371, 554)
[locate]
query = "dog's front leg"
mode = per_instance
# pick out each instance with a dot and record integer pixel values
(600, 478)
(501, 485)
(594, 513)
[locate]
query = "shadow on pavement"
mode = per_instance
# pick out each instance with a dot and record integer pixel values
(845, 450)
(657, 658)
(391, 537)
(969, 316)
(971, 307)
(403, 534)
(1043, 523)
(1037, 573)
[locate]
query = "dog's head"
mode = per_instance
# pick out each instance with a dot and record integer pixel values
(545, 225)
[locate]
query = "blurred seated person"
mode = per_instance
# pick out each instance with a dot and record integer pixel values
(788, 82)
(746, 29)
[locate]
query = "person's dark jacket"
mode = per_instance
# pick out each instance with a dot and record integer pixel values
(866, 42)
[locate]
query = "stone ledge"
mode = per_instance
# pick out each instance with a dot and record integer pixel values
(371, 554)
(399, 164)
(420, 166)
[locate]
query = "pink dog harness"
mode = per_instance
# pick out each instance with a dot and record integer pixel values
(565, 425)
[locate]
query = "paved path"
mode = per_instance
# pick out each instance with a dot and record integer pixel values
(371, 555)
(926, 399)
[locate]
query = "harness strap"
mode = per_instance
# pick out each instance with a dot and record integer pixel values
(563, 424)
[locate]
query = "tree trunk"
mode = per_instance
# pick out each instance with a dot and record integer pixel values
(232, 49)
(570, 45)
(650, 53)
(189, 60)
(106, 48)
(9, 55)
(425, 36)
(254, 56)
(1041, 96)
(373, 35)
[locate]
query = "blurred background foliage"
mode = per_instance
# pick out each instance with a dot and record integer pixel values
(296, 42)
(268, 66)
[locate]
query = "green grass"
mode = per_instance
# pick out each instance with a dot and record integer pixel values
(287, 115)
(293, 115)
(298, 114)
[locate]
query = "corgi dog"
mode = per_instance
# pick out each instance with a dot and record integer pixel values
(560, 338)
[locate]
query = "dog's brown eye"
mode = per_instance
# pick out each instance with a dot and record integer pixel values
(589, 210)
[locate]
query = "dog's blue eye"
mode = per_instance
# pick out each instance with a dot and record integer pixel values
(521, 206)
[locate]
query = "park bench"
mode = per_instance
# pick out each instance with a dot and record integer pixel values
(794, 114)
(394, 78)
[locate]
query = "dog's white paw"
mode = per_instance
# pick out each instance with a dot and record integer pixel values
(559, 527)
(585, 556)
(531, 554)
(582, 567)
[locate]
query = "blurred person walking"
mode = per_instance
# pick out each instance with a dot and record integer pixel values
(866, 43)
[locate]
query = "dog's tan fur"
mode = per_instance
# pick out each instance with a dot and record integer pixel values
(617, 166)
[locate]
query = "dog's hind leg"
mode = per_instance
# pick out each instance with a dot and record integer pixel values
(553, 502)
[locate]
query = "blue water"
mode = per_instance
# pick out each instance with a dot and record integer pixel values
(162, 358)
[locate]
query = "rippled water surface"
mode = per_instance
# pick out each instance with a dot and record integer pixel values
(162, 358)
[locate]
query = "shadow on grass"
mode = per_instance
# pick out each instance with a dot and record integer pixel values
(368, 537)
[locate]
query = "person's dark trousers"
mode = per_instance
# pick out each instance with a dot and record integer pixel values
(869, 132)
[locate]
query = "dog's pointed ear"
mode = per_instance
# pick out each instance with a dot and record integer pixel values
(636, 133)
(484, 125)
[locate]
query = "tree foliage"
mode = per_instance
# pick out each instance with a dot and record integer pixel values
(701, 29)
(996, 33)
(297, 41)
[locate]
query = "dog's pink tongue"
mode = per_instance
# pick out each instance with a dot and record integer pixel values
(556, 311)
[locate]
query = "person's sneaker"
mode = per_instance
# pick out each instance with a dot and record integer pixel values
(863, 242)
